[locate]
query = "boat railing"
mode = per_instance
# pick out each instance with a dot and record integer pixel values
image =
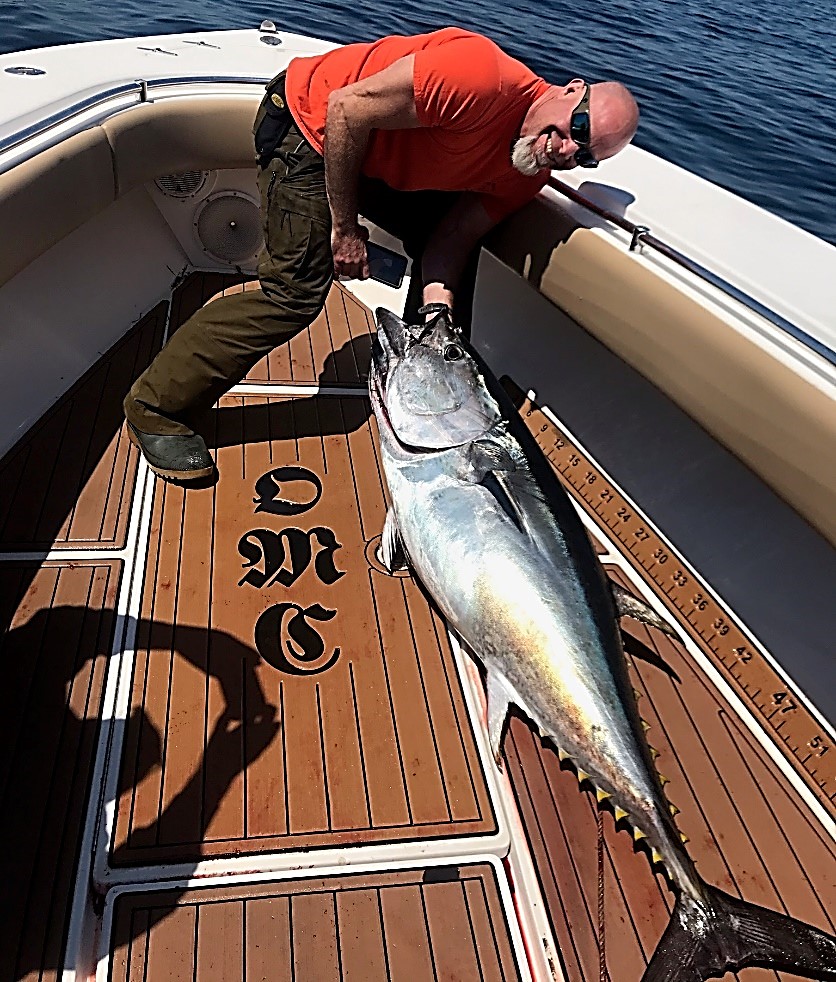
(641, 236)
(101, 97)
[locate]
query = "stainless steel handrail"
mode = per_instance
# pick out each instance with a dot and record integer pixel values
(641, 235)
(140, 86)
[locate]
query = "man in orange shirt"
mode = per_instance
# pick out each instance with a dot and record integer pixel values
(436, 138)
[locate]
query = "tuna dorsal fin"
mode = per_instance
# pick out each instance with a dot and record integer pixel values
(392, 553)
(629, 605)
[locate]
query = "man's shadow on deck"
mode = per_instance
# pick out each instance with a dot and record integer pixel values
(288, 417)
(50, 741)
(38, 728)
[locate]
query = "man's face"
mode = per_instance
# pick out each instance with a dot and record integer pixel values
(549, 143)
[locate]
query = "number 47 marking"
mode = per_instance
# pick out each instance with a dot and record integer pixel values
(783, 700)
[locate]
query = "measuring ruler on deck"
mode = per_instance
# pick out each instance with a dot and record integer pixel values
(739, 659)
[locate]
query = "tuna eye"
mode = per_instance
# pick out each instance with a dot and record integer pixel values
(453, 353)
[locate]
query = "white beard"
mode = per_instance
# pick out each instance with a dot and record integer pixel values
(523, 158)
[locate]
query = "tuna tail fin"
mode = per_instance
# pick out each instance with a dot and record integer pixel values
(705, 940)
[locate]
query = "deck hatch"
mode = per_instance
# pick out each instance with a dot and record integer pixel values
(358, 928)
(295, 696)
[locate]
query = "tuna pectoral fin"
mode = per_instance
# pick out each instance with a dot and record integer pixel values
(703, 942)
(487, 456)
(392, 553)
(629, 605)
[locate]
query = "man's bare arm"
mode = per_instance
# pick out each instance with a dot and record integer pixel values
(450, 245)
(383, 101)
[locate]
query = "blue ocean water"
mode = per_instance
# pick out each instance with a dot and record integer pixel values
(742, 92)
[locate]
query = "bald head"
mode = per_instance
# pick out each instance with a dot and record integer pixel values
(614, 115)
(545, 139)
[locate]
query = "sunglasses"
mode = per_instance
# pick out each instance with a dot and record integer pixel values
(579, 130)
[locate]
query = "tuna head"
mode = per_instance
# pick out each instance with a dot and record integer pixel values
(428, 384)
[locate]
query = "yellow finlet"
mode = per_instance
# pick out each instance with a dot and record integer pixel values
(638, 834)
(561, 753)
(654, 753)
(674, 809)
(664, 780)
(582, 776)
(645, 725)
(620, 813)
(637, 694)
(684, 838)
(601, 794)
(655, 856)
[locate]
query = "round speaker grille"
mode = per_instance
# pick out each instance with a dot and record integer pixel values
(184, 185)
(229, 227)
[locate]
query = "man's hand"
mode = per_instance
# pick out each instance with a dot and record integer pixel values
(348, 246)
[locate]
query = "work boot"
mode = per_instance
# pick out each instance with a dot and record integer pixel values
(182, 458)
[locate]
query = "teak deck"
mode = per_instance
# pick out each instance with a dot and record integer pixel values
(283, 695)
(443, 922)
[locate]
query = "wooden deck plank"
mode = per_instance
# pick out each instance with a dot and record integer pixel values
(315, 942)
(323, 676)
(365, 926)
(362, 948)
(57, 624)
(451, 932)
(170, 945)
(220, 942)
(268, 942)
(408, 951)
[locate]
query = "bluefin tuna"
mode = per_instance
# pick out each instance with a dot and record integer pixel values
(480, 517)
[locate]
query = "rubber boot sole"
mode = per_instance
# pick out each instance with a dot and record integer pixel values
(190, 475)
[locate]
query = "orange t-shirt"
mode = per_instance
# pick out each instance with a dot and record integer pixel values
(471, 99)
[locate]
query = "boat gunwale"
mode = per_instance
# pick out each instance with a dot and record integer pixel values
(640, 235)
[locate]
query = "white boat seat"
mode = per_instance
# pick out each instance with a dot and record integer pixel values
(177, 135)
(44, 199)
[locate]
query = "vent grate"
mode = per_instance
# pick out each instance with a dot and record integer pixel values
(185, 185)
